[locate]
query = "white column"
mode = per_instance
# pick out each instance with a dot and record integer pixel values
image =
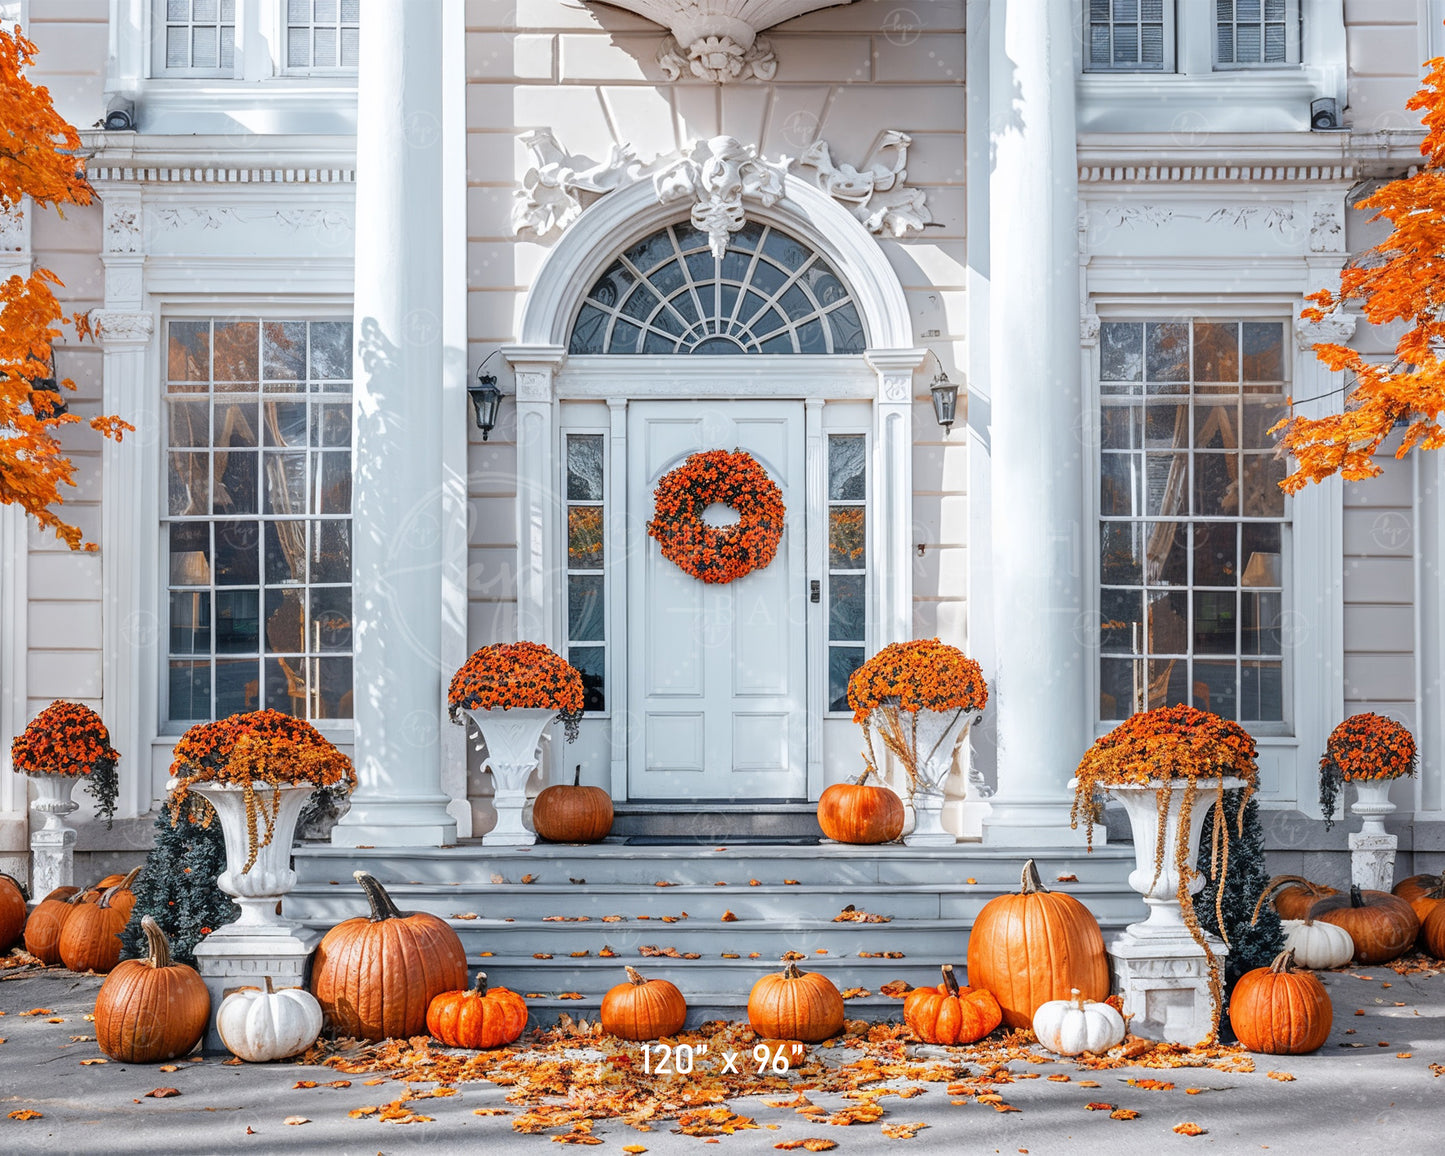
(893, 494)
(616, 494)
(1037, 464)
(398, 446)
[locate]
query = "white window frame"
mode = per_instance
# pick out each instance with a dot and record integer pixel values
(579, 422)
(1170, 37)
(160, 25)
(282, 42)
(868, 569)
(1293, 37)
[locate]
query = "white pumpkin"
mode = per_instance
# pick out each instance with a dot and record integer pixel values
(1071, 1026)
(268, 1025)
(1318, 945)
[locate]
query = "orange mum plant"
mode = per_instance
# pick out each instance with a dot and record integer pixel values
(905, 678)
(69, 739)
(263, 747)
(1365, 747)
(718, 553)
(518, 675)
(1158, 746)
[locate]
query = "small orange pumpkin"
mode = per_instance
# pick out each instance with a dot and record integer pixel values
(854, 812)
(1432, 932)
(90, 935)
(1293, 895)
(643, 1009)
(42, 929)
(1034, 947)
(572, 813)
(12, 913)
(949, 1014)
(480, 1017)
(375, 976)
(151, 1009)
(1281, 1010)
(1422, 892)
(1382, 925)
(795, 1005)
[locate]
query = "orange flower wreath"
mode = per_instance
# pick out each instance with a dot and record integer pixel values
(718, 553)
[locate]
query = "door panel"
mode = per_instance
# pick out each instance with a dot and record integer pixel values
(718, 699)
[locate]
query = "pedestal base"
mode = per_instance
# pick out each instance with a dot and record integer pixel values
(1372, 861)
(52, 857)
(228, 962)
(509, 831)
(1165, 985)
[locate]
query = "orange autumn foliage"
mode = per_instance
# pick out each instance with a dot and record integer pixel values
(39, 159)
(1400, 280)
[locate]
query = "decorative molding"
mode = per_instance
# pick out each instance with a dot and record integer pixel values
(534, 386)
(1089, 329)
(718, 59)
(1334, 327)
(293, 220)
(14, 232)
(718, 40)
(114, 326)
(1230, 174)
(1279, 218)
(1275, 217)
(122, 227)
(718, 175)
(1327, 232)
(218, 176)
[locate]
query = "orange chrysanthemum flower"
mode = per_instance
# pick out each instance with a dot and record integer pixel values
(1365, 747)
(70, 739)
(718, 553)
(518, 676)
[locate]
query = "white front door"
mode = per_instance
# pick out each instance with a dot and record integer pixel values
(717, 672)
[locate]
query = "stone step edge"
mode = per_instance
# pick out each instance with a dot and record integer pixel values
(673, 851)
(710, 926)
(771, 890)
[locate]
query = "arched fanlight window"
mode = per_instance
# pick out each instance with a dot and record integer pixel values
(769, 294)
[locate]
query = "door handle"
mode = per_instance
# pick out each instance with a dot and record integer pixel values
(815, 591)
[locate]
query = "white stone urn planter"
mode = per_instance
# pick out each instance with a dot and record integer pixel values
(259, 890)
(514, 747)
(52, 845)
(1372, 848)
(937, 733)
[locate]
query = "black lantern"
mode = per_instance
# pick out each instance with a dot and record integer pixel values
(486, 399)
(49, 384)
(945, 400)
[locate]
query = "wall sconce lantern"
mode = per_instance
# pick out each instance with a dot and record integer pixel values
(486, 398)
(945, 398)
(50, 384)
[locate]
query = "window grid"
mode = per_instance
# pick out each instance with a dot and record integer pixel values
(322, 35)
(769, 294)
(200, 36)
(847, 597)
(1193, 530)
(1129, 35)
(257, 519)
(586, 559)
(1256, 33)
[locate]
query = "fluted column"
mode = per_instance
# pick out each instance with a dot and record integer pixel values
(1037, 467)
(397, 492)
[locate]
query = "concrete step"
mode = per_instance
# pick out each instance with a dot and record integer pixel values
(684, 818)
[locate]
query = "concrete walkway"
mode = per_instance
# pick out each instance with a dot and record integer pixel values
(1371, 1083)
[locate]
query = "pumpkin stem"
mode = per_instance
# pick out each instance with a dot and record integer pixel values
(950, 981)
(1314, 889)
(863, 778)
(1076, 999)
(158, 947)
(1283, 962)
(270, 987)
(481, 985)
(1357, 899)
(1031, 883)
(635, 976)
(123, 885)
(577, 776)
(792, 972)
(382, 906)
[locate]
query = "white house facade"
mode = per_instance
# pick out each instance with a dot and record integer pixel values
(665, 227)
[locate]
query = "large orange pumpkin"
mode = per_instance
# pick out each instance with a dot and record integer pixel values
(375, 976)
(572, 813)
(42, 929)
(949, 1014)
(477, 1018)
(1280, 1009)
(854, 812)
(795, 1005)
(1293, 895)
(1382, 925)
(12, 913)
(151, 1009)
(643, 1009)
(1422, 892)
(1034, 947)
(90, 935)
(1432, 932)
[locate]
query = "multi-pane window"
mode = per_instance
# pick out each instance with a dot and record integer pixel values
(1256, 32)
(200, 35)
(1193, 527)
(769, 294)
(258, 518)
(1129, 35)
(586, 556)
(322, 34)
(847, 562)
